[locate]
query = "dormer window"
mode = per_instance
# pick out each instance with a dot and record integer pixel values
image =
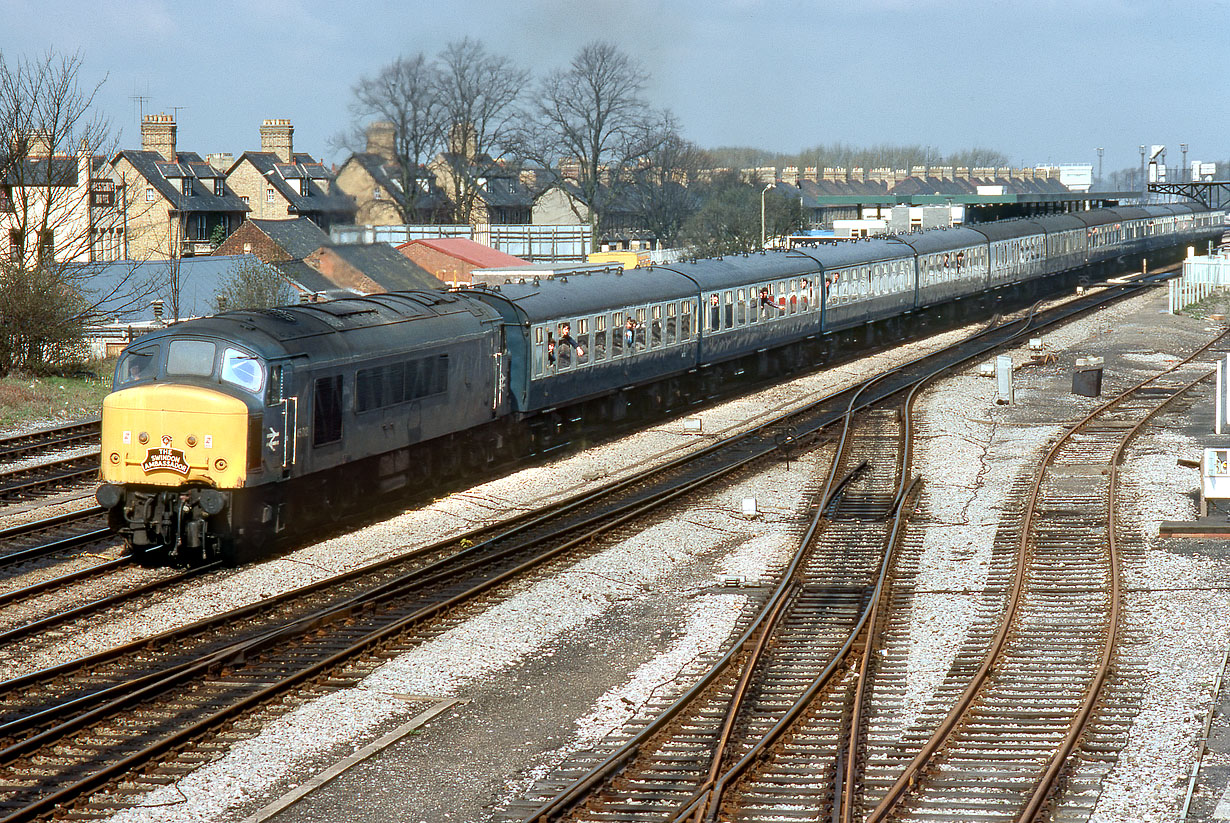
(187, 187)
(218, 187)
(303, 186)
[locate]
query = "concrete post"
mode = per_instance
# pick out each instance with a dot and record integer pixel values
(1003, 375)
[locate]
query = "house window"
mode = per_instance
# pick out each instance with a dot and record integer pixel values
(244, 199)
(377, 193)
(149, 194)
(16, 240)
(218, 189)
(268, 195)
(47, 246)
(187, 187)
(303, 187)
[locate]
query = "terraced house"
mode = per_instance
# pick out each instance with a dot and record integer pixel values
(178, 205)
(276, 183)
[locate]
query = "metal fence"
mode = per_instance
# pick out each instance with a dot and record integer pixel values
(1201, 277)
(540, 244)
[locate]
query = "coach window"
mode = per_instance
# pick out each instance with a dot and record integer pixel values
(599, 337)
(327, 411)
(618, 334)
(672, 331)
(638, 335)
(565, 345)
(741, 307)
(728, 310)
(685, 321)
(582, 337)
(539, 347)
(655, 327)
(715, 312)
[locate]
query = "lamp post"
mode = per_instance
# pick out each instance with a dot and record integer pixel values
(1144, 184)
(1183, 148)
(1100, 150)
(762, 224)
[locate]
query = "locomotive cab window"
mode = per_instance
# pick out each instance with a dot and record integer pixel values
(137, 365)
(242, 369)
(191, 358)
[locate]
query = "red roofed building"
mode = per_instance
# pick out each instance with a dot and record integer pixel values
(453, 258)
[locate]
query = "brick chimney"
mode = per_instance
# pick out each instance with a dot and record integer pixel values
(380, 139)
(158, 134)
(277, 136)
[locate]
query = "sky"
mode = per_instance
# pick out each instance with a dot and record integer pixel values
(1045, 81)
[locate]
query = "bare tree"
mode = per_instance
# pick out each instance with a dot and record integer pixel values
(52, 141)
(406, 94)
(592, 116)
(728, 222)
(254, 285)
(665, 192)
(477, 91)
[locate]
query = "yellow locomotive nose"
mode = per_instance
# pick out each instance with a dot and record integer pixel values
(194, 435)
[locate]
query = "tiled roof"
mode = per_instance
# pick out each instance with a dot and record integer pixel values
(466, 249)
(386, 266)
(298, 237)
(319, 199)
(385, 175)
(37, 171)
(150, 165)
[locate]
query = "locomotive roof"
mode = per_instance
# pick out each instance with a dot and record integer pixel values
(377, 322)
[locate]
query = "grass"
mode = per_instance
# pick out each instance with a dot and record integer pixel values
(27, 401)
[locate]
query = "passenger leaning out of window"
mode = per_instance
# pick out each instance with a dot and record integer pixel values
(566, 345)
(767, 302)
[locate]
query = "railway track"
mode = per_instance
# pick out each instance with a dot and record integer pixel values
(31, 481)
(1002, 750)
(33, 545)
(181, 697)
(56, 438)
(761, 733)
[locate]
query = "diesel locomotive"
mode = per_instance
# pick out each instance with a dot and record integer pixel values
(226, 433)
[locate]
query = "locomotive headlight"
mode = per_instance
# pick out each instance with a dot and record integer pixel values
(143, 437)
(115, 457)
(191, 441)
(220, 464)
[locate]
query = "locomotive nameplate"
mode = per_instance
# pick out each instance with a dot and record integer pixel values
(164, 459)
